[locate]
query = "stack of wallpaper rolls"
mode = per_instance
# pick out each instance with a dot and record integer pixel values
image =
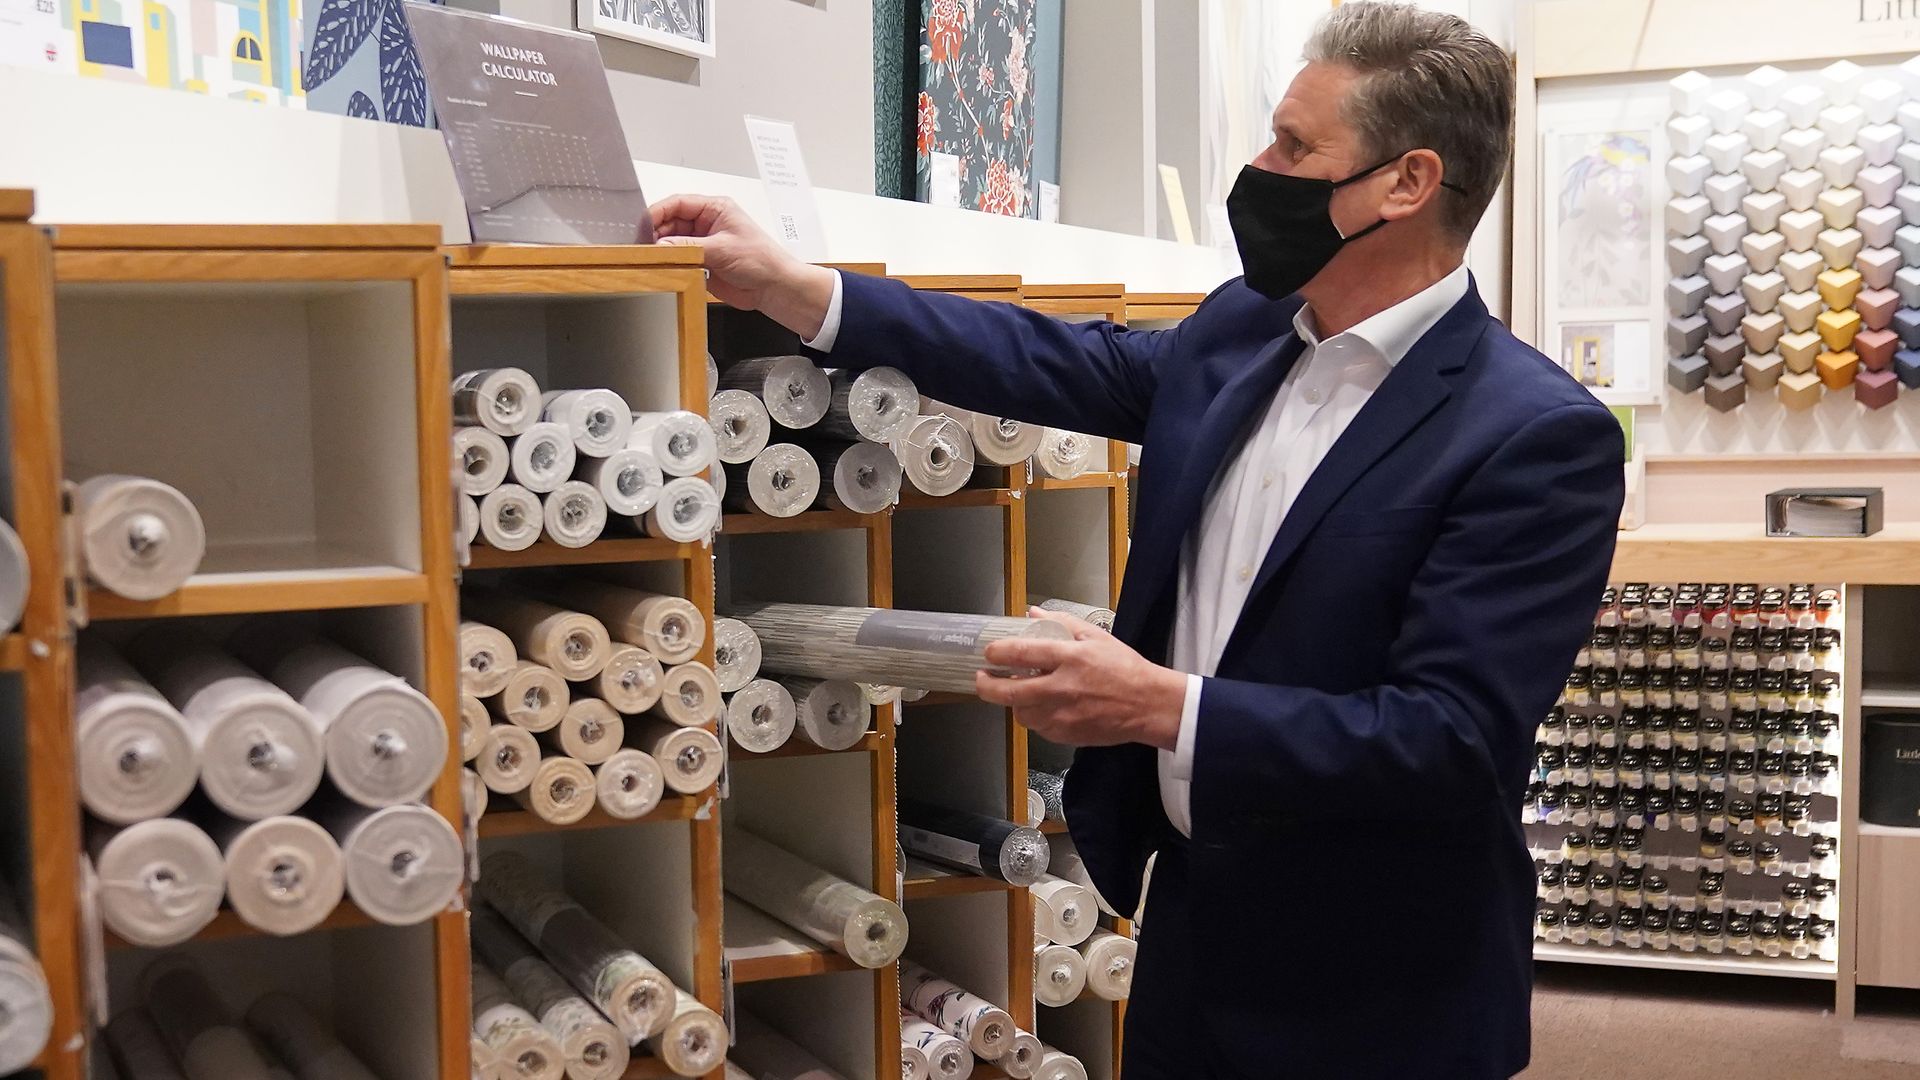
(579, 693)
(280, 780)
(952, 1028)
(558, 464)
(1053, 452)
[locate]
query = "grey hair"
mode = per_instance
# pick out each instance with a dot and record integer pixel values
(1427, 80)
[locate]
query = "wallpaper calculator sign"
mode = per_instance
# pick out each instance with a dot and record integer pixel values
(531, 128)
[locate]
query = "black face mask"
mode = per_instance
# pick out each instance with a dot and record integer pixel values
(1284, 226)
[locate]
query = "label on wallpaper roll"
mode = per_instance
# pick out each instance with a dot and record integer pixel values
(922, 630)
(776, 153)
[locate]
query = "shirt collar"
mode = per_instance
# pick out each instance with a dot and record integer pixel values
(1392, 333)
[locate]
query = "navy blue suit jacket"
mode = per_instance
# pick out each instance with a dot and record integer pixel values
(1361, 888)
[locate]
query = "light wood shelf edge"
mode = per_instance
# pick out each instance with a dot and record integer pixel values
(1707, 552)
(283, 593)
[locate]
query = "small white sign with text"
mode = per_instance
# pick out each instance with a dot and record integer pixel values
(776, 152)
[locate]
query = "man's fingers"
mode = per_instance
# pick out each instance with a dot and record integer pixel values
(1032, 653)
(1015, 693)
(687, 215)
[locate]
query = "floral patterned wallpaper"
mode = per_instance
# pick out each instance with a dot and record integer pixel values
(977, 102)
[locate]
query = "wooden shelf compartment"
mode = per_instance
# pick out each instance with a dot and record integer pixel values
(495, 824)
(761, 948)
(228, 925)
(272, 577)
(871, 743)
(1706, 552)
(990, 496)
(1093, 480)
(808, 521)
(607, 550)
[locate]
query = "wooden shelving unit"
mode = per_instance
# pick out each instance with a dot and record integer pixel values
(1147, 311)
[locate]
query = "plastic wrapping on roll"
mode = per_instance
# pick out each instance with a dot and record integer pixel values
(713, 376)
(297, 1037)
(385, 741)
(694, 1041)
(1022, 1056)
(160, 881)
(948, 1057)
(928, 650)
(831, 714)
(507, 763)
(690, 758)
(622, 984)
(467, 509)
(1058, 1065)
(780, 481)
(795, 392)
(138, 1049)
(860, 477)
(285, 874)
(589, 732)
(880, 694)
(1073, 913)
(632, 680)
(592, 1047)
(999, 441)
(139, 538)
(597, 419)
(766, 1054)
(473, 796)
(487, 658)
(680, 441)
(670, 627)
(511, 518)
(474, 723)
(1064, 455)
(936, 454)
(13, 577)
(1059, 974)
(629, 480)
(535, 697)
(562, 791)
(403, 863)
(505, 401)
(1068, 864)
(529, 1051)
(986, 1028)
(1051, 788)
(1036, 809)
(542, 457)
(483, 1063)
(26, 1003)
(629, 784)
(194, 1024)
(877, 404)
(1110, 960)
(136, 756)
(913, 1063)
(689, 695)
(688, 511)
(260, 752)
(740, 425)
(761, 716)
(574, 644)
(483, 460)
(574, 514)
(975, 843)
(1098, 616)
(736, 654)
(854, 922)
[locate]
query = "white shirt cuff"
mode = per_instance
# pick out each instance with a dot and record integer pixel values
(830, 326)
(1189, 722)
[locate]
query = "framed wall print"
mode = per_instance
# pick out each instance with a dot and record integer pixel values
(682, 26)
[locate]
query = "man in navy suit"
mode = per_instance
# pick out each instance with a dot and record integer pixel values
(1372, 529)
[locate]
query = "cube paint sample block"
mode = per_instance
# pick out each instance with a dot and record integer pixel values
(1688, 134)
(1801, 269)
(1688, 175)
(1724, 352)
(1763, 291)
(1908, 200)
(1762, 209)
(1840, 206)
(1724, 313)
(1877, 225)
(1686, 373)
(1761, 168)
(1763, 85)
(1764, 127)
(1839, 246)
(1800, 350)
(1879, 98)
(1801, 103)
(1686, 295)
(1906, 282)
(1841, 164)
(1880, 142)
(1724, 272)
(1837, 369)
(1687, 214)
(1762, 370)
(1726, 392)
(1724, 231)
(1762, 332)
(1877, 183)
(1802, 147)
(1906, 364)
(1686, 334)
(1906, 323)
(1837, 329)
(1725, 109)
(1802, 187)
(1841, 124)
(1725, 192)
(1688, 93)
(1876, 389)
(1877, 266)
(1908, 117)
(1725, 151)
(1841, 80)
(1687, 254)
(1762, 250)
(1800, 309)
(1802, 228)
(1876, 348)
(1908, 158)
(1876, 308)
(1838, 288)
(1799, 390)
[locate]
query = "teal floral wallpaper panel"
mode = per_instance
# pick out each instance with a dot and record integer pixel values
(976, 101)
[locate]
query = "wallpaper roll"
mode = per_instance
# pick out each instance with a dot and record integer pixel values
(854, 922)
(511, 518)
(689, 757)
(1069, 865)
(589, 732)
(780, 481)
(1109, 964)
(195, 1025)
(761, 716)
(1098, 616)
(13, 577)
(1075, 916)
(713, 376)
(403, 863)
(876, 405)
(296, 1036)
(562, 791)
(260, 753)
(483, 460)
(694, 1042)
(160, 881)
(948, 1057)
(574, 514)
(795, 392)
(139, 538)
(927, 650)
(505, 401)
(1036, 808)
(136, 756)
(385, 742)
(138, 1049)
(1022, 1056)
(534, 697)
(284, 874)
(863, 478)
(936, 454)
(766, 1054)
(975, 843)
(516, 1038)
(574, 644)
(740, 425)
(631, 682)
(1059, 974)
(541, 458)
(688, 512)
(880, 694)
(913, 1063)
(831, 714)
(629, 480)
(467, 508)
(1064, 455)
(510, 757)
(670, 627)
(26, 1004)
(736, 654)
(1058, 1065)
(598, 419)
(689, 695)
(986, 1028)
(629, 784)
(621, 983)
(474, 723)
(593, 1048)
(487, 657)
(483, 1063)
(999, 441)
(1051, 787)
(680, 441)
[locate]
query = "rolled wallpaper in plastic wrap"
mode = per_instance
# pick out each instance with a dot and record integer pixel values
(593, 1048)
(680, 441)
(385, 742)
(513, 1034)
(403, 863)
(160, 880)
(597, 419)
(629, 784)
(986, 1028)
(795, 392)
(139, 538)
(876, 405)
(929, 650)
(741, 426)
(854, 922)
(505, 401)
(761, 716)
(136, 756)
